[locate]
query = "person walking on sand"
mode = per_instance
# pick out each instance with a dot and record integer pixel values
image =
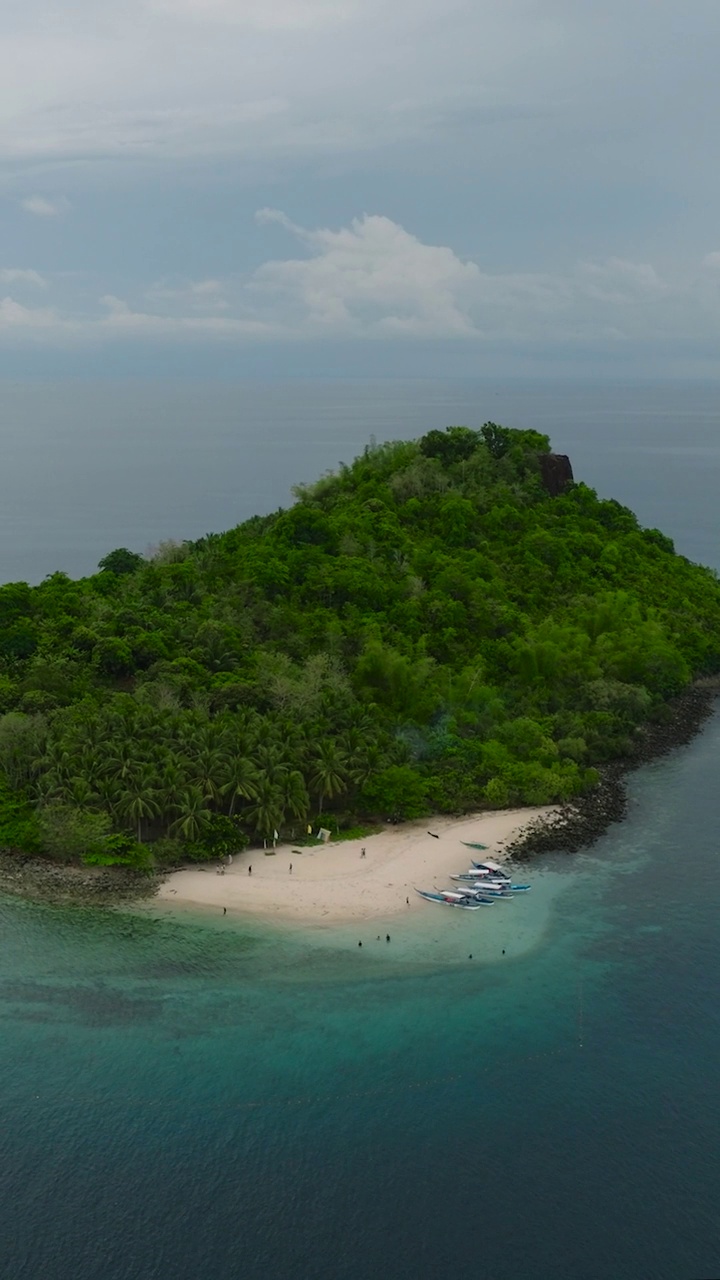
(249, 871)
(291, 868)
(362, 852)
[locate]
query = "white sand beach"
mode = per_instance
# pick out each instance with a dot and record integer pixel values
(332, 883)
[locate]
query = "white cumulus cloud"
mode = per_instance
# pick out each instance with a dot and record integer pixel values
(372, 275)
(18, 320)
(22, 275)
(43, 207)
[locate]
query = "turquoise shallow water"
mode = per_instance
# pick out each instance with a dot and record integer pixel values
(184, 1100)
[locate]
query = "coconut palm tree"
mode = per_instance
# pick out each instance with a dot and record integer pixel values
(368, 761)
(295, 794)
(208, 770)
(172, 782)
(266, 810)
(51, 785)
(122, 761)
(328, 776)
(80, 793)
(193, 814)
(110, 794)
(138, 801)
(271, 761)
(240, 780)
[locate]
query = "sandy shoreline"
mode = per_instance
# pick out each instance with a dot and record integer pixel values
(332, 883)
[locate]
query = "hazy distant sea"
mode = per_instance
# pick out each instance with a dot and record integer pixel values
(92, 466)
(205, 1100)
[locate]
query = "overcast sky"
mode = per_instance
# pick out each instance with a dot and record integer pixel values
(464, 186)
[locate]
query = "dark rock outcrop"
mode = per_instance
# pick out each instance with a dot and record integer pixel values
(43, 881)
(582, 822)
(556, 472)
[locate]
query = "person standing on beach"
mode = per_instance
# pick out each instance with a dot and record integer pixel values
(362, 852)
(249, 871)
(291, 868)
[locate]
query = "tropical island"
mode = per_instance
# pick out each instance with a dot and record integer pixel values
(445, 626)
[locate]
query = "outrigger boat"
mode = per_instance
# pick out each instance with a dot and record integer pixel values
(469, 844)
(462, 900)
(474, 894)
(474, 877)
(490, 866)
(507, 892)
(492, 886)
(481, 894)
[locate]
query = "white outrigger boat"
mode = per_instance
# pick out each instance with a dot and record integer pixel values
(476, 895)
(490, 867)
(473, 877)
(491, 886)
(463, 900)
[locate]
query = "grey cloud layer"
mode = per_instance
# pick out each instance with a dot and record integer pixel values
(594, 121)
(175, 78)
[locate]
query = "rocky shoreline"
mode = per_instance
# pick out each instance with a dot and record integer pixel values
(41, 881)
(582, 822)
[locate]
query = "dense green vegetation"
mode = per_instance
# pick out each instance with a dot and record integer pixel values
(426, 629)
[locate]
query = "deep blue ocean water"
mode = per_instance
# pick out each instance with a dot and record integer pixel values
(197, 1098)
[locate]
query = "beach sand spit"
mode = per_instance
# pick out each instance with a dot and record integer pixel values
(333, 883)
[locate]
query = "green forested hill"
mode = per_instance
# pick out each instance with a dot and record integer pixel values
(425, 630)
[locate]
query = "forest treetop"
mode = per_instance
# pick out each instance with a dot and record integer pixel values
(425, 629)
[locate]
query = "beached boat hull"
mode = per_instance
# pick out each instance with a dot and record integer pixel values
(482, 886)
(471, 877)
(491, 867)
(469, 844)
(448, 901)
(476, 897)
